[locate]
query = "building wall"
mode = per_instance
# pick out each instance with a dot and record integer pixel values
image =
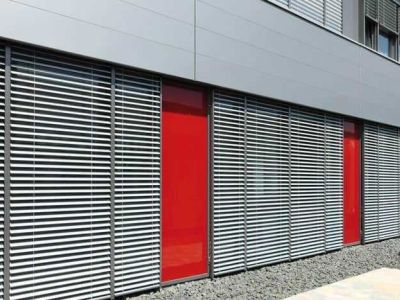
(251, 46)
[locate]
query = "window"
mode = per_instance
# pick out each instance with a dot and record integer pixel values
(370, 34)
(383, 44)
(387, 44)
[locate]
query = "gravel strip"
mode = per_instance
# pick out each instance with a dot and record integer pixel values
(287, 279)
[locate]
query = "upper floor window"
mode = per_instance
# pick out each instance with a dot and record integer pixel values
(382, 26)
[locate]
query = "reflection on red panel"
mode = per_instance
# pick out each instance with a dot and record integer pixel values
(184, 182)
(351, 176)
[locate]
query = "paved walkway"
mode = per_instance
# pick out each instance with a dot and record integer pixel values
(382, 284)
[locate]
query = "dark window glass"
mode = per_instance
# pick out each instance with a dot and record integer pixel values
(370, 34)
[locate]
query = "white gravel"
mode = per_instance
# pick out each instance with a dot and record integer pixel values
(287, 279)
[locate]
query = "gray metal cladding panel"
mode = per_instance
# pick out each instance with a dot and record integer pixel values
(381, 181)
(228, 183)
(2, 77)
(267, 157)
(60, 177)
(109, 30)
(137, 181)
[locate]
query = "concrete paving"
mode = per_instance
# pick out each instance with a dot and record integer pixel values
(381, 284)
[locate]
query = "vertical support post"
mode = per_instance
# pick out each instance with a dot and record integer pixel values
(245, 183)
(161, 182)
(211, 183)
(290, 180)
(362, 183)
(325, 179)
(112, 186)
(7, 172)
(379, 188)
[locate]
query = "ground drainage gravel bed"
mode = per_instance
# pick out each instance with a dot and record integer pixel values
(287, 279)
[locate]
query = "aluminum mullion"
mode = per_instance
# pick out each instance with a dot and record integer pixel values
(112, 186)
(325, 226)
(245, 182)
(290, 181)
(7, 181)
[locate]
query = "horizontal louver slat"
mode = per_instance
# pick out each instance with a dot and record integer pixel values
(2, 77)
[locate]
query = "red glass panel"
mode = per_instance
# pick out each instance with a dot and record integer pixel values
(184, 182)
(351, 183)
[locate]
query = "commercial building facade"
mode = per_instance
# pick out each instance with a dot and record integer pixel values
(151, 142)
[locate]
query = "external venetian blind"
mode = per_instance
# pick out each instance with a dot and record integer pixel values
(307, 179)
(268, 214)
(371, 183)
(229, 183)
(334, 182)
(324, 12)
(60, 177)
(2, 79)
(371, 8)
(137, 182)
(334, 14)
(388, 14)
(313, 9)
(381, 181)
(278, 182)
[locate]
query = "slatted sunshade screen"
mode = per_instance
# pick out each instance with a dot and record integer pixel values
(389, 197)
(381, 181)
(137, 182)
(371, 183)
(278, 172)
(324, 12)
(334, 182)
(229, 183)
(371, 8)
(313, 9)
(267, 183)
(2, 79)
(333, 14)
(307, 169)
(388, 14)
(60, 177)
